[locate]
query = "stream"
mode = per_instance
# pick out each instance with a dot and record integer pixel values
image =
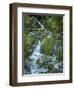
(34, 57)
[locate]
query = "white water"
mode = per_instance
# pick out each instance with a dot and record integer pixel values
(41, 25)
(34, 57)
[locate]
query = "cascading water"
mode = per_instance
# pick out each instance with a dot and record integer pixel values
(34, 57)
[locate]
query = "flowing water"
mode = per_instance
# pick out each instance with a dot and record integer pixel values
(36, 54)
(34, 57)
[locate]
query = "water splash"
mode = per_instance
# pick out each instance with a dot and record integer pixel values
(34, 57)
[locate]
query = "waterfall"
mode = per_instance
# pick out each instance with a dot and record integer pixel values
(34, 57)
(41, 25)
(37, 55)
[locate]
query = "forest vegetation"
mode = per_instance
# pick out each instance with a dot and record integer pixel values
(44, 34)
